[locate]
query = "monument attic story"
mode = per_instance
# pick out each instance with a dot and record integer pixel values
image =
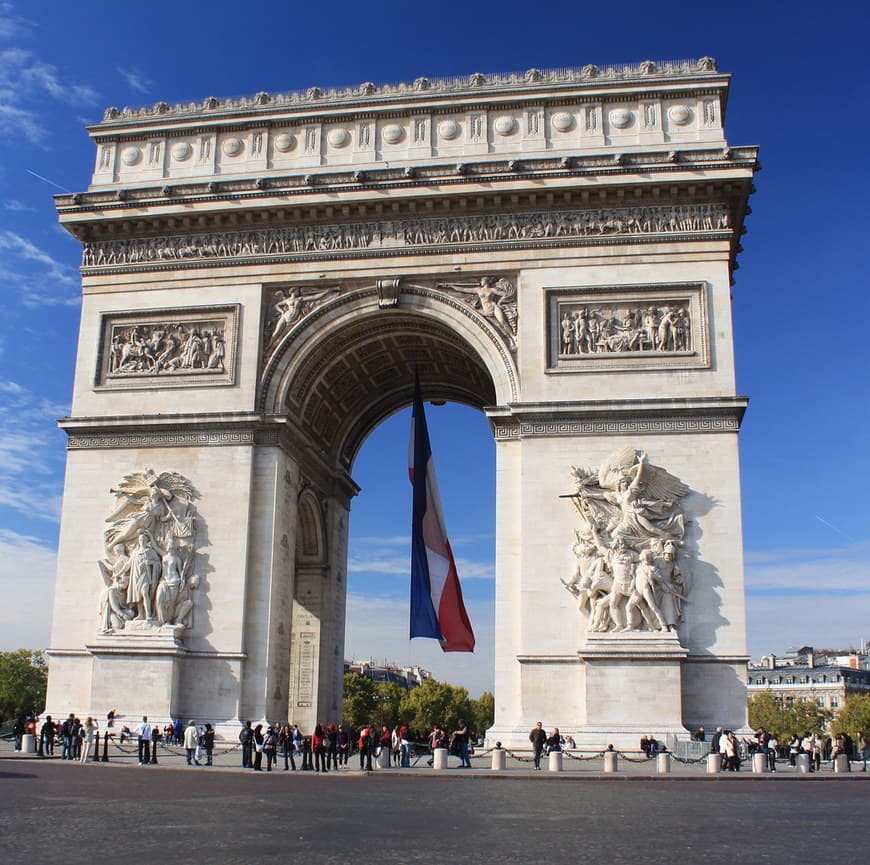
(338, 170)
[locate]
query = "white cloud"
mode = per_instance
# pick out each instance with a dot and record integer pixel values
(31, 452)
(17, 206)
(135, 79)
(807, 597)
(27, 569)
(38, 277)
(378, 628)
(11, 23)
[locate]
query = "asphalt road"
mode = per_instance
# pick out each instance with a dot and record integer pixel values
(70, 814)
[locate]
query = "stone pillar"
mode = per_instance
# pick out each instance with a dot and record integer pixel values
(555, 764)
(663, 763)
(28, 744)
(759, 763)
(803, 764)
(611, 763)
(439, 759)
(842, 763)
(498, 760)
(714, 764)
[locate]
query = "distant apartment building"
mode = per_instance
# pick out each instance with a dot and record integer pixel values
(405, 677)
(827, 676)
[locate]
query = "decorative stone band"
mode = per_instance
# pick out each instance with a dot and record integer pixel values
(167, 438)
(716, 415)
(397, 237)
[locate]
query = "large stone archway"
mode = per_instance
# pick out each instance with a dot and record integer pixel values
(261, 279)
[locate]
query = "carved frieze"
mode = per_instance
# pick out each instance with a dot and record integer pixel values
(149, 570)
(630, 571)
(394, 236)
(618, 327)
(168, 347)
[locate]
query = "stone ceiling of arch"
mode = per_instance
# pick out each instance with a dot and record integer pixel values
(363, 373)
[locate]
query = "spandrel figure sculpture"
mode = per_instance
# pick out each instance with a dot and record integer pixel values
(626, 575)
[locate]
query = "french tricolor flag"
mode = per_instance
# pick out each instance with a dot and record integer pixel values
(437, 609)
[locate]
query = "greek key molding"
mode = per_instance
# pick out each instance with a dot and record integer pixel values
(410, 236)
(507, 430)
(162, 438)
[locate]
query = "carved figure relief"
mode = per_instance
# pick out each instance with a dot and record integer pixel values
(289, 305)
(628, 575)
(311, 240)
(495, 298)
(141, 347)
(620, 329)
(149, 570)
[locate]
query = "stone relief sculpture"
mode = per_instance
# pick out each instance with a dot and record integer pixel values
(289, 306)
(149, 571)
(164, 348)
(627, 576)
(495, 298)
(659, 329)
(311, 240)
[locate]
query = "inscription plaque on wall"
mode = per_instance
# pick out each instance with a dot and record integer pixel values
(627, 327)
(305, 673)
(168, 347)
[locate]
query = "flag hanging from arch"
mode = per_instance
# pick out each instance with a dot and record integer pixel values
(437, 608)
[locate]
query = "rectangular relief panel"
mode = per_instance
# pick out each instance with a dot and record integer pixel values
(188, 347)
(627, 327)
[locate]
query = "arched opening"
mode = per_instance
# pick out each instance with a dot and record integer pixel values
(379, 543)
(347, 378)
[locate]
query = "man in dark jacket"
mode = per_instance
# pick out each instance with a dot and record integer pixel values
(246, 737)
(538, 738)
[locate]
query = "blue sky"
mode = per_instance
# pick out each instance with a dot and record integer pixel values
(800, 88)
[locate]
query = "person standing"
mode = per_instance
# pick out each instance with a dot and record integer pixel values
(191, 740)
(46, 738)
(460, 739)
(270, 746)
(66, 735)
(405, 745)
(246, 738)
(343, 745)
(208, 743)
(366, 746)
(143, 733)
(285, 740)
(88, 732)
(257, 741)
(538, 738)
(318, 749)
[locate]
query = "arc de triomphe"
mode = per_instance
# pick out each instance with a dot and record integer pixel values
(261, 278)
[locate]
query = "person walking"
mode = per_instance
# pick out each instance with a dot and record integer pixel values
(538, 738)
(191, 740)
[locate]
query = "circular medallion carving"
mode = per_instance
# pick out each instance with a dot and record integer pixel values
(392, 133)
(505, 125)
(338, 137)
(233, 146)
(562, 121)
(679, 114)
(131, 156)
(285, 142)
(621, 118)
(449, 129)
(181, 151)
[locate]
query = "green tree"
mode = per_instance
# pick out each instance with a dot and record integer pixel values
(808, 716)
(482, 713)
(768, 712)
(359, 699)
(23, 677)
(388, 700)
(435, 702)
(853, 717)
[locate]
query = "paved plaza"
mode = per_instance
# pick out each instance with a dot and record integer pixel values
(56, 812)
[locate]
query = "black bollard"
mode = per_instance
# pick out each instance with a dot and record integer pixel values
(95, 757)
(106, 748)
(153, 752)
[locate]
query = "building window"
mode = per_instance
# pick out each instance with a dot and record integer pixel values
(835, 702)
